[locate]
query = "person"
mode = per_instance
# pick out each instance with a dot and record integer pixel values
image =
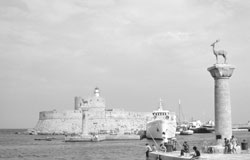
(154, 149)
(163, 148)
(185, 148)
(233, 142)
(173, 142)
(94, 137)
(227, 146)
(196, 154)
(148, 149)
(204, 147)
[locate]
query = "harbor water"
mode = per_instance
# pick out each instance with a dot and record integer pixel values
(20, 146)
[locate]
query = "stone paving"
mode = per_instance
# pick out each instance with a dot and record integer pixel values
(244, 155)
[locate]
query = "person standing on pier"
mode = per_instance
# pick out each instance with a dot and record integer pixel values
(154, 149)
(148, 149)
(233, 142)
(227, 146)
(185, 148)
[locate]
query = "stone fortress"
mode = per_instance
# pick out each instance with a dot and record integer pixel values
(99, 118)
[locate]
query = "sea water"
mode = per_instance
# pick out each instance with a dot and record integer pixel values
(20, 146)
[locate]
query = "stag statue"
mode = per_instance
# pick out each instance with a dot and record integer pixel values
(219, 52)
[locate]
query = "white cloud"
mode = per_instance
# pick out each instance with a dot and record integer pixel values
(118, 43)
(163, 39)
(54, 10)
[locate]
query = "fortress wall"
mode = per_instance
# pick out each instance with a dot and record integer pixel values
(125, 124)
(100, 118)
(71, 121)
(118, 120)
(127, 114)
(73, 114)
(59, 122)
(59, 126)
(121, 123)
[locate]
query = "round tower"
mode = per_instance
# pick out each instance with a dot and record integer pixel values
(78, 101)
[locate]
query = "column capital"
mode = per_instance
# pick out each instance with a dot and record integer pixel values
(221, 71)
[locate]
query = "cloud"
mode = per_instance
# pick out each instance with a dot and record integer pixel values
(58, 45)
(55, 10)
(163, 39)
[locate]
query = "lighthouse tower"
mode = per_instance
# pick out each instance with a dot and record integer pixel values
(97, 92)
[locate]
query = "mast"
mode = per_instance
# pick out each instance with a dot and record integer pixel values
(179, 111)
(160, 105)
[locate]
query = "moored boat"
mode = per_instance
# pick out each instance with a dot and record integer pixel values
(84, 138)
(163, 121)
(187, 132)
(44, 139)
(208, 127)
(203, 130)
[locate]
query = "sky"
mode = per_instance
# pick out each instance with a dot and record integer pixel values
(135, 51)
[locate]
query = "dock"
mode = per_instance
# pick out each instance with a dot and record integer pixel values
(89, 138)
(204, 156)
(123, 137)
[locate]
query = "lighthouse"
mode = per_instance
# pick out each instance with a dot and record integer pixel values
(97, 92)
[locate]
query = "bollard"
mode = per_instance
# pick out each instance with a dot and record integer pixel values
(169, 147)
(244, 145)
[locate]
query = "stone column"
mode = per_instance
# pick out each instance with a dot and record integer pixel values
(84, 123)
(222, 105)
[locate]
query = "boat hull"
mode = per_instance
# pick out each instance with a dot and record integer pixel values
(203, 130)
(187, 132)
(155, 128)
(85, 138)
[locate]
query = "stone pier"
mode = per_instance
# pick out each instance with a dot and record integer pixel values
(222, 105)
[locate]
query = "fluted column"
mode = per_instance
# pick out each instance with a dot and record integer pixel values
(222, 103)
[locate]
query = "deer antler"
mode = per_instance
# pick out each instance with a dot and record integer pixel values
(217, 40)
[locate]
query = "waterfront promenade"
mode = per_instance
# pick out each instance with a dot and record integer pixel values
(205, 156)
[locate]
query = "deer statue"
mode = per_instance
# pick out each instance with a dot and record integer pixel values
(219, 52)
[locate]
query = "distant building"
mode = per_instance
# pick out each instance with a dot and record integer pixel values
(100, 118)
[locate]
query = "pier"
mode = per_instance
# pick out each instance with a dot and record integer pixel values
(204, 156)
(90, 138)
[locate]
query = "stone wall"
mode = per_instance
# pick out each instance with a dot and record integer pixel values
(120, 121)
(71, 114)
(99, 118)
(51, 122)
(71, 121)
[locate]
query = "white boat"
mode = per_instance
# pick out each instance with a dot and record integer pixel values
(187, 132)
(163, 121)
(85, 138)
